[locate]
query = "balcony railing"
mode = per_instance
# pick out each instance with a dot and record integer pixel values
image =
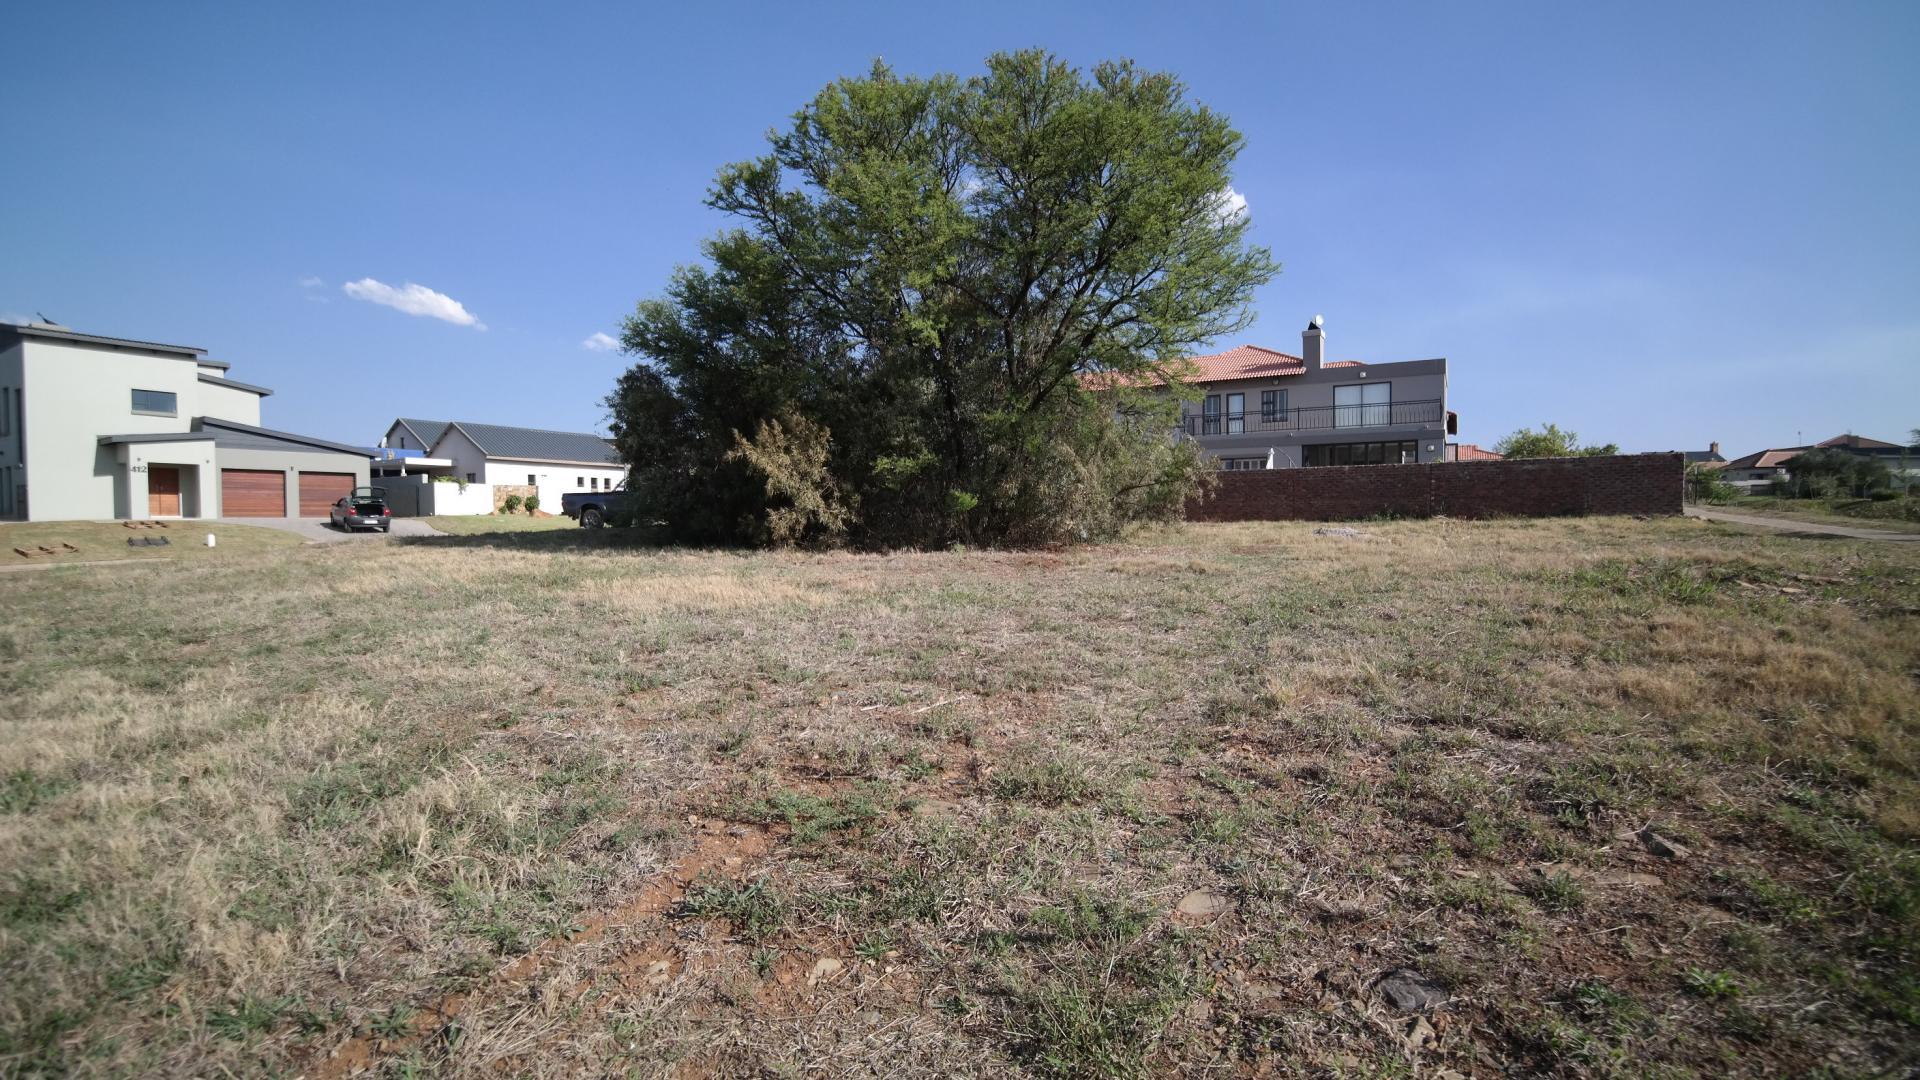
(1318, 418)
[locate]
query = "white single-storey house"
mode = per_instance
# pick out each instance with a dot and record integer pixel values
(552, 462)
(94, 428)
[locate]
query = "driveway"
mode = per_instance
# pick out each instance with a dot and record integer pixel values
(319, 531)
(1803, 528)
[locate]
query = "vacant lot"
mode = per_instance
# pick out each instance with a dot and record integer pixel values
(1599, 796)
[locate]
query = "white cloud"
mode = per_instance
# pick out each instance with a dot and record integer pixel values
(600, 343)
(1230, 206)
(311, 282)
(414, 300)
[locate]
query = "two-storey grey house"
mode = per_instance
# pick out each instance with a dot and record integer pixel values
(1265, 409)
(95, 427)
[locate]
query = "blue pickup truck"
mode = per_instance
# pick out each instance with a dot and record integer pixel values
(592, 508)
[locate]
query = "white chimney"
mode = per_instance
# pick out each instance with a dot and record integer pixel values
(1313, 345)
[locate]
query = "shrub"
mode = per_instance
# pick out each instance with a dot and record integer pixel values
(1705, 486)
(510, 504)
(532, 503)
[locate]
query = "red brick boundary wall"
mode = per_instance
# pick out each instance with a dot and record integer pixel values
(1524, 487)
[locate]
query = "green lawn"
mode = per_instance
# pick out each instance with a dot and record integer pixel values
(107, 540)
(477, 524)
(565, 806)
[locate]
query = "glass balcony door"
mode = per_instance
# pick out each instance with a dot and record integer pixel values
(1363, 405)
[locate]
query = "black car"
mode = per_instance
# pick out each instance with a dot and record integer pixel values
(362, 508)
(592, 509)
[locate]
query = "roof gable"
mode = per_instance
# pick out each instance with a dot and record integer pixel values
(425, 432)
(537, 444)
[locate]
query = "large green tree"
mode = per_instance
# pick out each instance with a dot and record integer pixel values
(1549, 441)
(951, 310)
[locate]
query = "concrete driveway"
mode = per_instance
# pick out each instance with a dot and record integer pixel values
(319, 531)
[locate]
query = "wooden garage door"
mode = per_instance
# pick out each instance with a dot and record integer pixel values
(252, 493)
(320, 490)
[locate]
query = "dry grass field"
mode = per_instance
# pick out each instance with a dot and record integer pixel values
(1594, 797)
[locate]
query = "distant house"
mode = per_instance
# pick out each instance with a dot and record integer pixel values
(551, 462)
(1901, 459)
(1709, 456)
(1763, 467)
(1260, 408)
(1469, 452)
(1760, 468)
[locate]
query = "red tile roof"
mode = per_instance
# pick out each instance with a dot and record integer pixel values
(1859, 442)
(1467, 451)
(1240, 362)
(1765, 459)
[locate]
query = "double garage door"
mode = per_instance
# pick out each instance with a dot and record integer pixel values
(263, 493)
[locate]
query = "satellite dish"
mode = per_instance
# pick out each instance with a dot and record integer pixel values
(1316, 322)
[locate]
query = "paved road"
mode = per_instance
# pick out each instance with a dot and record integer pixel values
(1801, 527)
(318, 531)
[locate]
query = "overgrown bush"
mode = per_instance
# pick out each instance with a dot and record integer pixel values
(532, 503)
(954, 311)
(510, 504)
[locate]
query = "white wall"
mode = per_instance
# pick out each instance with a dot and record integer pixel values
(76, 394)
(226, 403)
(552, 480)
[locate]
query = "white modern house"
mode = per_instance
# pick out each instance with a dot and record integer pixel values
(94, 428)
(551, 462)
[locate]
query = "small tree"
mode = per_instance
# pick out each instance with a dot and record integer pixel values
(510, 504)
(1704, 485)
(532, 503)
(1549, 441)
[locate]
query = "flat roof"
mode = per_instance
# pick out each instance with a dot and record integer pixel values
(60, 333)
(157, 436)
(269, 433)
(236, 384)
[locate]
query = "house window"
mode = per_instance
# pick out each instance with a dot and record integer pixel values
(1242, 464)
(533, 480)
(156, 402)
(1363, 405)
(595, 481)
(1375, 453)
(6, 410)
(1273, 403)
(469, 478)
(1210, 415)
(1236, 414)
(579, 481)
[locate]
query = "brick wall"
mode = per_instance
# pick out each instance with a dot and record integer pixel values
(1529, 487)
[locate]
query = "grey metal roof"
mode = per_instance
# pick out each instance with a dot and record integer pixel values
(234, 383)
(427, 431)
(1695, 457)
(535, 444)
(221, 364)
(157, 436)
(52, 333)
(244, 436)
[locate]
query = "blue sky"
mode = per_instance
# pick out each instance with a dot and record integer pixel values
(1656, 224)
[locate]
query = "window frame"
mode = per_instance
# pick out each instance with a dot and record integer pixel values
(1273, 406)
(173, 396)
